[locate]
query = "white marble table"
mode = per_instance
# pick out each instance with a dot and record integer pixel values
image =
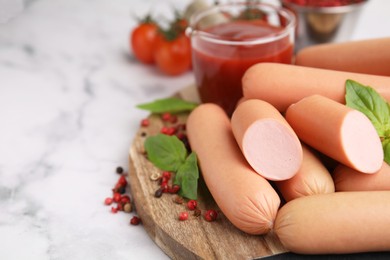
(68, 89)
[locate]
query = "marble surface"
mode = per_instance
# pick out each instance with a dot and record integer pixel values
(68, 89)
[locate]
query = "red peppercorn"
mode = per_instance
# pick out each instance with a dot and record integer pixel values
(174, 189)
(166, 175)
(181, 127)
(117, 197)
(164, 180)
(135, 221)
(114, 210)
(119, 207)
(210, 215)
(108, 201)
(164, 130)
(145, 122)
(164, 187)
(192, 204)
(181, 136)
(183, 216)
(166, 116)
(173, 119)
(125, 199)
(170, 130)
(122, 181)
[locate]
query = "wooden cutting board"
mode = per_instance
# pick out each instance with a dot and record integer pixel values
(194, 238)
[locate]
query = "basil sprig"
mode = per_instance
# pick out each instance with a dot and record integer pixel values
(168, 153)
(172, 105)
(366, 100)
(187, 177)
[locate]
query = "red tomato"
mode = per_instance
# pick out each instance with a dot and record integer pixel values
(173, 57)
(142, 40)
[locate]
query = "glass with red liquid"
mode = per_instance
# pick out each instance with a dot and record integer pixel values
(227, 39)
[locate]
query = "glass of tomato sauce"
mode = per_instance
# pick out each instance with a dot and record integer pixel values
(227, 39)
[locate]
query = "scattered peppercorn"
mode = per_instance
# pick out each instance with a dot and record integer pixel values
(117, 197)
(174, 189)
(135, 221)
(192, 204)
(164, 130)
(119, 170)
(125, 199)
(197, 212)
(145, 122)
(122, 180)
(183, 216)
(119, 207)
(114, 210)
(164, 187)
(173, 119)
(128, 208)
(166, 116)
(210, 215)
(178, 200)
(108, 201)
(166, 175)
(158, 193)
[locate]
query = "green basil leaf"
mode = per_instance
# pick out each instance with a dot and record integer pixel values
(187, 177)
(369, 102)
(172, 105)
(166, 152)
(386, 149)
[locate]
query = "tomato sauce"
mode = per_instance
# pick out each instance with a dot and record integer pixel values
(219, 68)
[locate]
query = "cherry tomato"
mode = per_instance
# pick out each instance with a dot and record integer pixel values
(173, 57)
(142, 40)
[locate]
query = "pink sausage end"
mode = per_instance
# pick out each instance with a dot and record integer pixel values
(272, 149)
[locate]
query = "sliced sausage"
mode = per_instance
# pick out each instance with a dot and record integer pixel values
(347, 179)
(283, 84)
(312, 178)
(338, 131)
(370, 56)
(246, 199)
(336, 223)
(267, 141)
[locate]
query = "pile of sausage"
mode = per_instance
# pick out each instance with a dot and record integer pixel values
(294, 160)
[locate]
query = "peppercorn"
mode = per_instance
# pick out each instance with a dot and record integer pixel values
(192, 204)
(108, 201)
(166, 116)
(135, 221)
(122, 181)
(125, 199)
(167, 175)
(197, 212)
(128, 208)
(183, 216)
(174, 189)
(178, 200)
(164, 187)
(173, 119)
(145, 122)
(210, 215)
(117, 197)
(164, 130)
(119, 170)
(119, 207)
(158, 193)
